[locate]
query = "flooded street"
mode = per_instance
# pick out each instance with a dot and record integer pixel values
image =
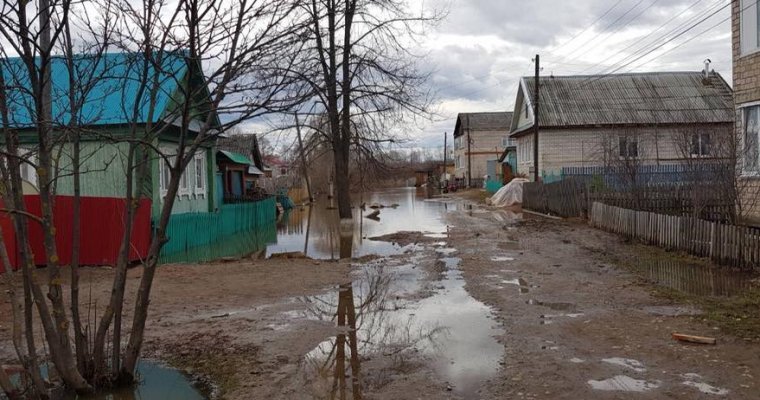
(392, 309)
(441, 298)
(315, 231)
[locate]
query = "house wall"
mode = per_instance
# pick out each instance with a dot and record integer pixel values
(746, 72)
(600, 147)
(103, 169)
(190, 201)
(486, 145)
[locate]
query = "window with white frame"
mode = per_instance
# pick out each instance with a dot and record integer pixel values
(506, 141)
(184, 182)
(700, 145)
(750, 139)
(628, 146)
(199, 184)
(749, 22)
(164, 174)
(27, 160)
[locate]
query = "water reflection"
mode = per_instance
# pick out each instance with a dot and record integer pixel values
(695, 279)
(386, 324)
(316, 231)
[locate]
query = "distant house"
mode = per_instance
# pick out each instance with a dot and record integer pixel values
(642, 119)
(746, 60)
(239, 167)
(107, 112)
(275, 167)
(487, 134)
(433, 171)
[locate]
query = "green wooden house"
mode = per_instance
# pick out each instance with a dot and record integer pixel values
(112, 101)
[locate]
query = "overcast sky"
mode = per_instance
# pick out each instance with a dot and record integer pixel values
(482, 48)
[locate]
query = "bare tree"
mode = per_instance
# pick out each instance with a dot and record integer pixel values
(230, 52)
(360, 72)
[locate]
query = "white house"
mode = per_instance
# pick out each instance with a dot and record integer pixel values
(488, 135)
(660, 118)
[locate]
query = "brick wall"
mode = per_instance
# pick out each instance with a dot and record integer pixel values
(746, 90)
(486, 145)
(598, 147)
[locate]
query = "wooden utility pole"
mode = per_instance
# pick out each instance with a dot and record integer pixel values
(535, 120)
(303, 158)
(445, 143)
(469, 154)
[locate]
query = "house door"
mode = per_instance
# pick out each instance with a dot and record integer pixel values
(237, 183)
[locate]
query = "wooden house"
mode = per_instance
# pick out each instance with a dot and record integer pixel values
(111, 106)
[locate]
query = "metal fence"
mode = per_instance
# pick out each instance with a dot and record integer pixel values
(196, 235)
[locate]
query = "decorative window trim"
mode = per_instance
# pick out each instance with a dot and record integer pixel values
(199, 165)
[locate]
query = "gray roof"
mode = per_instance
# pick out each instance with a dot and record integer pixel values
(627, 99)
(483, 121)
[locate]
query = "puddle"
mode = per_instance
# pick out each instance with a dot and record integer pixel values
(576, 360)
(315, 230)
(502, 259)
(450, 328)
(156, 382)
(672, 311)
(695, 381)
(622, 383)
(694, 278)
(626, 363)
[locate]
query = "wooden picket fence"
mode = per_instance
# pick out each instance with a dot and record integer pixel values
(737, 246)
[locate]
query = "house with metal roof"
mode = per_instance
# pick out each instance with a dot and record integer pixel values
(633, 119)
(479, 139)
(110, 105)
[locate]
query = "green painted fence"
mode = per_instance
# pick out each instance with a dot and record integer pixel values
(236, 229)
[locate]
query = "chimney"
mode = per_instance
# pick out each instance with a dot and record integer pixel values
(707, 68)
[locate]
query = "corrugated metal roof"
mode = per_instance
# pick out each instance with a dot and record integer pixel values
(254, 171)
(112, 97)
(484, 121)
(636, 98)
(236, 157)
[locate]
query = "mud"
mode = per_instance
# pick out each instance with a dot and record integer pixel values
(493, 308)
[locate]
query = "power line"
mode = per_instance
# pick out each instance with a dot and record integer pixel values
(665, 42)
(591, 25)
(569, 56)
(668, 37)
(638, 41)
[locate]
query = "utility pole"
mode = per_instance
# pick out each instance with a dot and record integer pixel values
(303, 159)
(469, 154)
(535, 121)
(445, 145)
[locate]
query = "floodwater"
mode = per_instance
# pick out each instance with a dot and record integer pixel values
(315, 230)
(694, 278)
(379, 318)
(156, 382)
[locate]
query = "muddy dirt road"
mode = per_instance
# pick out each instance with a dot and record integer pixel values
(475, 303)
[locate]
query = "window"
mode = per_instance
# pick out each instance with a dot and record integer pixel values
(750, 34)
(526, 110)
(184, 183)
(700, 144)
(164, 174)
(750, 139)
(629, 147)
(506, 141)
(200, 174)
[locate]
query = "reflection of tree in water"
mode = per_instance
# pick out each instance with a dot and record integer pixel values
(369, 320)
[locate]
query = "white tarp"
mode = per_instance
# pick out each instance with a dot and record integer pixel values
(510, 194)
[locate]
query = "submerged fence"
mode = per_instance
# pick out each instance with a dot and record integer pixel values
(195, 235)
(733, 245)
